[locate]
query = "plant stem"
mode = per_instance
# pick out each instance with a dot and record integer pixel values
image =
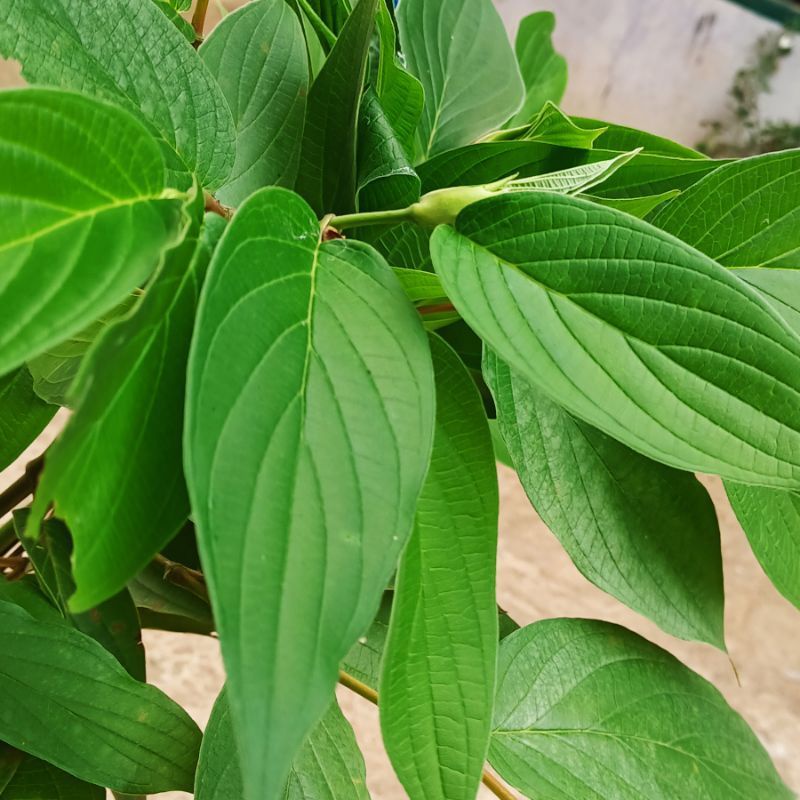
(362, 690)
(212, 204)
(180, 575)
(199, 20)
(22, 487)
(370, 218)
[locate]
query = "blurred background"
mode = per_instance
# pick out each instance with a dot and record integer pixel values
(708, 73)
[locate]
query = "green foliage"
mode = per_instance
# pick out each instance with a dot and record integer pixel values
(228, 260)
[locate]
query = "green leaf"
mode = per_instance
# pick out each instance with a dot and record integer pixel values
(460, 52)
(400, 93)
(588, 709)
(55, 369)
(123, 734)
(600, 499)
(37, 780)
(635, 206)
(771, 520)
(621, 137)
(653, 174)
(26, 593)
(744, 214)
(122, 447)
(10, 759)
(85, 217)
(310, 446)
(128, 52)
(327, 173)
(385, 178)
(23, 414)
(258, 56)
(780, 288)
(544, 71)
(363, 661)
(437, 686)
(552, 126)
(329, 764)
(632, 331)
(166, 602)
(173, 15)
(333, 13)
(114, 623)
(574, 179)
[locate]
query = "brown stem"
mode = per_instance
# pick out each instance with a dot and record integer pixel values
(199, 21)
(368, 693)
(22, 487)
(180, 575)
(437, 309)
(212, 204)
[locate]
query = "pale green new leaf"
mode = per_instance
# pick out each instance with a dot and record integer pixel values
(544, 71)
(84, 216)
(327, 171)
(642, 532)
(123, 734)
(745, 214)
(23, 414)
(437, 685)
(258, 56)
(55, 369)
(305, 456)
(129, 400)
(35, 779)
(630, 330)
(400, 93)
(460, 52)
(329, 765)
(589, 710)
(552, 126)
(639, 207)
(128, 52)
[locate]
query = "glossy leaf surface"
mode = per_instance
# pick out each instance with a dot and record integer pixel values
(630, 330)
(437, 688)
(643, 532)
(305, 457)
(588, 709)
(257, 55)
(84, 218)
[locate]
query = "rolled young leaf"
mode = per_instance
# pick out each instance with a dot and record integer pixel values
(328, 765)
(90, 224)
(437, 686)
(123, 734)
(129, 400)
(305, 456)
(460, 52)
(588, 709)
(630, 330)
(327, 174)
(128, 52)
(23, 414)
(257, 55)
(642, 532)
(543, 70)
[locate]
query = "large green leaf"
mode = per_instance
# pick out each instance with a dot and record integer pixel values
(639, 207)
(385, 177)
(55, 369)
(304, 456)
(621, 137)
(327, 173)
(400, 93)
(437, 686)
(632, 331)
(780, 287)
(329, 765)
(460, 52)
(745, 214)
(588, 709)
(544, 71)
(23, 414)
(258, 56)
(35, 779)
(84, 215)
(128, 52)
(122, 447)
(73, 705)
(643, 532)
